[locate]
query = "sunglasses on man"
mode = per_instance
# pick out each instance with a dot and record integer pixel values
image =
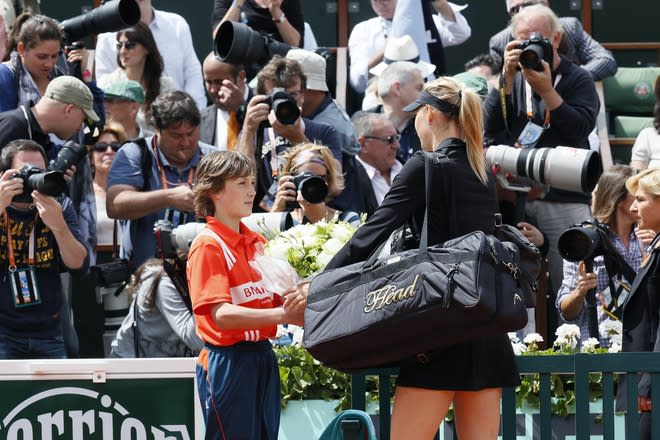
(388, 139)
(101, 147)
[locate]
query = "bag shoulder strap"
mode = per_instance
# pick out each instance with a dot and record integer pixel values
(437, 158)
(136, 331)
(173, 271)
(145, 162)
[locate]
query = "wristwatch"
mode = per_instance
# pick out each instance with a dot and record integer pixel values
(282, 18)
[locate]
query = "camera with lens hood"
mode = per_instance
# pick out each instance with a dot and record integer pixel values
(112, 16)
(535, 49)
(50, 182)
(284, 105)
(238, 43)
(565, 168)
(171, 242)
(69, 155)
(312, 188)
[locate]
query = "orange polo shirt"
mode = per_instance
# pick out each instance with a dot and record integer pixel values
(219, 271)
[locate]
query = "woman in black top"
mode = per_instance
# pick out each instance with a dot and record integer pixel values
(470, 374)
(641, 310)
(281, 19)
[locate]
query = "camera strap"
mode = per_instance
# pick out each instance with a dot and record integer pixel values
(27, 120)
(115, 239)
(528, 103)
(163, 179)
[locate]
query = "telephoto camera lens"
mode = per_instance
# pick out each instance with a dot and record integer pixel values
(567, 168)
(580, 243)
(70, 154)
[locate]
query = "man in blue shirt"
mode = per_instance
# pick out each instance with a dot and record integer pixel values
(163, 191)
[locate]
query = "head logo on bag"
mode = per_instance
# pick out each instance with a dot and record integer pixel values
(389, 294)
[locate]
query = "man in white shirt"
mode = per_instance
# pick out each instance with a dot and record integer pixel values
(379, 143)
(366, 43)
(172, 35)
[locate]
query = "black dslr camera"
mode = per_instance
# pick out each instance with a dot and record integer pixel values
(284, 105)
(312, 188)
(50, 182)
(535, 49)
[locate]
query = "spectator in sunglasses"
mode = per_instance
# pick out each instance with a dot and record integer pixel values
(139, 60)
(102, 154)
(379, 144)
(576, 44)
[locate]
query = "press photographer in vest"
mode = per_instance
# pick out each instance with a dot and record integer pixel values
(39, 234)
(151, 179)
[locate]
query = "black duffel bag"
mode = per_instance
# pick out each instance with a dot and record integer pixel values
(377, 313)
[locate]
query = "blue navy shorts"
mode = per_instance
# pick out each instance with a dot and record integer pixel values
(240, 392)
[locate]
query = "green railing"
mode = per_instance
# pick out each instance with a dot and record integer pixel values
(579, 365)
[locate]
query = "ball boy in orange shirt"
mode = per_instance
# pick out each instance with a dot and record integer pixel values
(235, 311)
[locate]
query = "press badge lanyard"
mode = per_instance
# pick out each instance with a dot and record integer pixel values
(528, 103)
(161, 170)
(10, 244)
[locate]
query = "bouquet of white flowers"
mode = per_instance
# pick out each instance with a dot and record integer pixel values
(309, 247)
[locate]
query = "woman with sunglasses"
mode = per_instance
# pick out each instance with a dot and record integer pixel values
(139, 60)
(35, 60)
(304, 161)
(102, 153)
(470, 374)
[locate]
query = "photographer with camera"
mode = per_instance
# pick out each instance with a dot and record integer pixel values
(281, 19)
(543, 101)
(577, 45)
(67, 104)
(614, 225)
(160, 322)
(151, 179)
(273, 124)
(39, 234)
(310, 178)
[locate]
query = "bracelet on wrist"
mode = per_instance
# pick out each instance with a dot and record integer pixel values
(281, 19)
